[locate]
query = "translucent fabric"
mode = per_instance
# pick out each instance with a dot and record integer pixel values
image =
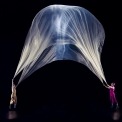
(61, 32)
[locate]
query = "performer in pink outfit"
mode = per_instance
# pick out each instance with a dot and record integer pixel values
(112, 95)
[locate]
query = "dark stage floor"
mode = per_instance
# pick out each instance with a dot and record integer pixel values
(47, 115)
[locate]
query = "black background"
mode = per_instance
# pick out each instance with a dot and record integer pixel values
(62, 89)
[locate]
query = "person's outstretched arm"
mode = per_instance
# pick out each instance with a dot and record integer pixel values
(107, 86)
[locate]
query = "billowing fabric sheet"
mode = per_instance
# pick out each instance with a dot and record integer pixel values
(61, 32)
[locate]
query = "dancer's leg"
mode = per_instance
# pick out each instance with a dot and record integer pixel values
(14, 105)
(10, 106)
(112, 101)
(115, 101)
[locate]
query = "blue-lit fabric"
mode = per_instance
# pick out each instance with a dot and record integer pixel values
(61, 32)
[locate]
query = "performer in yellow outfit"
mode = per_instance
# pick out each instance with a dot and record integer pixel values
(13, 101)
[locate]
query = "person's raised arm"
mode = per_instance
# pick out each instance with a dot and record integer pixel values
(107, 86)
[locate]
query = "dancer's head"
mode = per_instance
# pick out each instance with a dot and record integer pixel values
(112, 84)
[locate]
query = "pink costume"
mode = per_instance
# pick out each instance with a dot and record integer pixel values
(112, 95)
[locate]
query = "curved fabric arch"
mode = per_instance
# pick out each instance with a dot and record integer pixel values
(51, 34)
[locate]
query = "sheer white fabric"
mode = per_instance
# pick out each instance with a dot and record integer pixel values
(61, 32)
